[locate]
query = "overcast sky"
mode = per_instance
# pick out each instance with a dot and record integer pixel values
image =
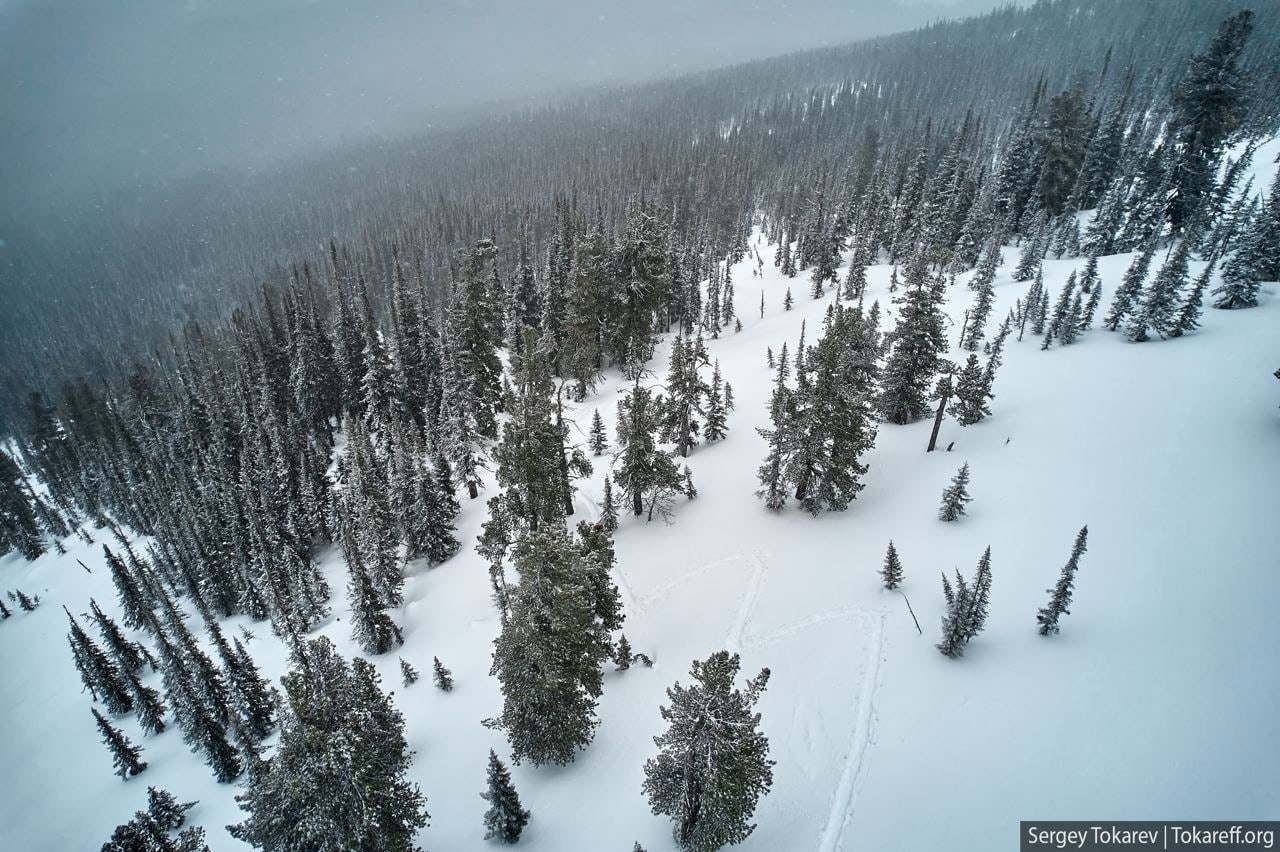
(99, 93)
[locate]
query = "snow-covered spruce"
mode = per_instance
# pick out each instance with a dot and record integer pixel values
(505, 819)
(713, 762)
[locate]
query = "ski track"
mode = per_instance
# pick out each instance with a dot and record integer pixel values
(754, 642)
(860, 737)
(737, 633)
(671, 585)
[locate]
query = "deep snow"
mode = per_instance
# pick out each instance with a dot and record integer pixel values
(1157, 700)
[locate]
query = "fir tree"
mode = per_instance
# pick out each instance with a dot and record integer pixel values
(1129, 293)
(977, 617)
(337, 780)
(1208, 105)
(917, 342)
(715, 428)
(608, 509)
(443, 677)
(408, 673)
(372, 628)
(955, 495)
(597, 439)
(646, 473)
(712, 765)
(622, 653)
(970, 404)
(505, 818)
(1060, 599)
(148, 704)
(787, 302)
(891, 573)
(126, 756)
(1188, 318)
(1161, 298)
(548, 656)
(99, 674)
(164, 808)
(27, 603)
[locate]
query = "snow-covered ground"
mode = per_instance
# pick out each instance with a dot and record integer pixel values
(1157, 700)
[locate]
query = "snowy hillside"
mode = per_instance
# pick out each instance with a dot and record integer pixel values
(1157, 698)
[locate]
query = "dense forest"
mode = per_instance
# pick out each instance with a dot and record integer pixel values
(94, 291)
(251, 372)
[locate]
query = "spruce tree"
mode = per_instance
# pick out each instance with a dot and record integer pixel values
(970, 404)
(955, 495)
(715, 428)
(1188, 318)
(1208, 105)
(646, 473)
(891, 573)
(917, 344)
(1060, 594)
(1160, 302)
(608, 509)
(1129, 293)
(408, 673)
(548, 657)
(505, 818)
(443, 677)
(99, 674)
(126, 756)
(622, 654)
(597, 439)
(27, 603)
(337, 780)
(713, 762)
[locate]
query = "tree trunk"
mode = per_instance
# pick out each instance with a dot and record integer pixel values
(937, 421)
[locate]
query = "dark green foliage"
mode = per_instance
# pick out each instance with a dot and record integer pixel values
(505, 819)
(548, 657)
(1060, 595)
(966, 613)
(829, 424)
(443, 677)
(917, 343)
(1129, 293)
(970, 405)
(713, 762)
(1188, 318)
(126, 756)
(408, 673)
(1208, 105)
(149, 830)
(891, 573)
(717, 408)
(99, 674)
(955, 495)
(19, 526)
(28, 603)
(646, 473)
(337, 779)
(597, 437)
(1157, 312)
(688, 396)
(608, 509)
(622, 653)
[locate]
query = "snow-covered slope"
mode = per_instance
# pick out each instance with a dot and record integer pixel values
(1157, 700)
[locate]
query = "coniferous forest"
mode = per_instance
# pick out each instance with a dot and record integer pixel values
(582, 476)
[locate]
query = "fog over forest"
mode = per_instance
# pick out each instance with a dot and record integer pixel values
(97, 95)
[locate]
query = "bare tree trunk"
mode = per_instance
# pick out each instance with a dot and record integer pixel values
(937, 418)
